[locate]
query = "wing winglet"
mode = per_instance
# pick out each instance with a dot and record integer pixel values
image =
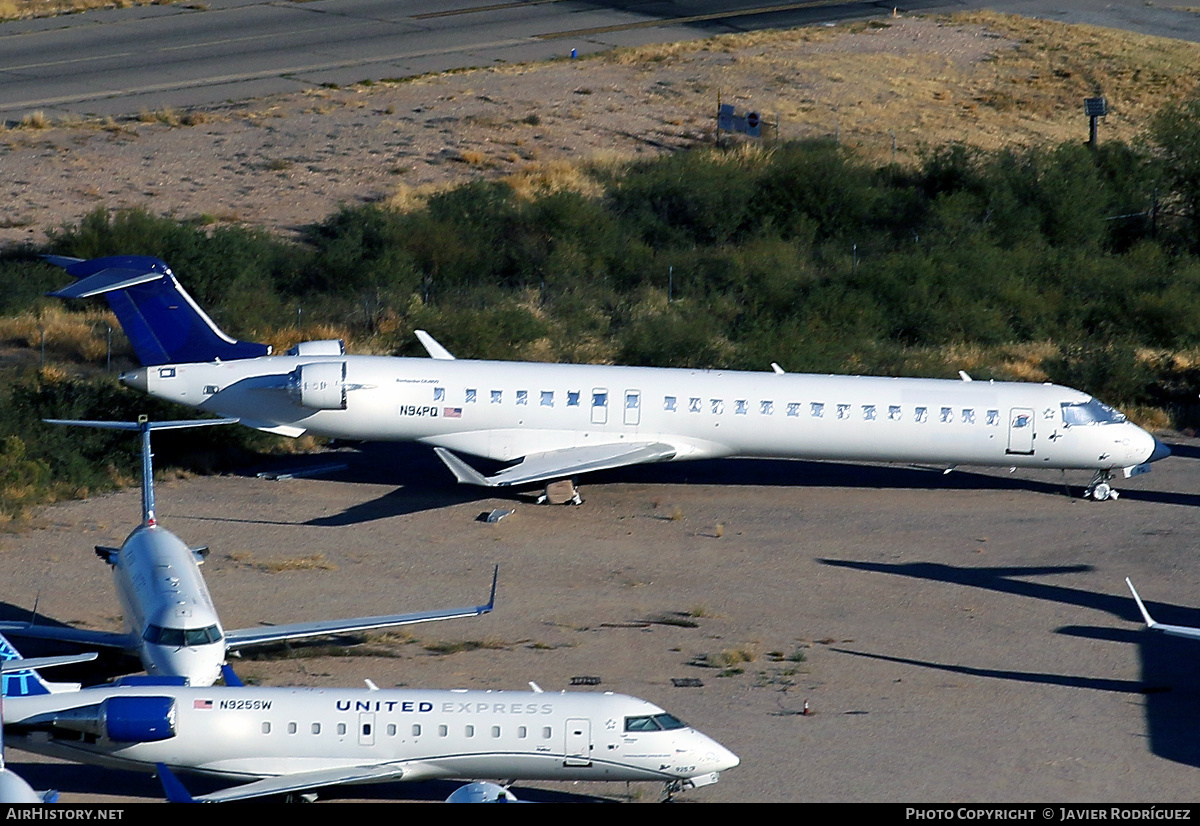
(253, 637)
(432, 347)
(1154, 625)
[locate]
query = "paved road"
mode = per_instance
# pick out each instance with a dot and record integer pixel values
(120, 62)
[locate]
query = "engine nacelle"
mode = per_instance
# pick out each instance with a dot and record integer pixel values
(319, 386)
(482, 793)
(122, 719)
(328, 347)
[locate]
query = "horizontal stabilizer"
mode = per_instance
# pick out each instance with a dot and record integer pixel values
(1173, 630)
(292, 783)
(177, 424)
(559, 464)
(106, 281)
(25, 663)
(19, 680)
(251, 637)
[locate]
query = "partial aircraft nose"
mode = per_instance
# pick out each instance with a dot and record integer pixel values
(1161, 451)
(1144, 447)
(201, 664)
(135, 379)
(721, 757)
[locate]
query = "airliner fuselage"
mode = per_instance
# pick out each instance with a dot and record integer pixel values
(507, 410)
(244, 734)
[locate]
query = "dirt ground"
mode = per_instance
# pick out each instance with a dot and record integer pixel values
(965, 637)
(889, 88)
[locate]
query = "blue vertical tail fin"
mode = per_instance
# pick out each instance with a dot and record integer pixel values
(161, 321)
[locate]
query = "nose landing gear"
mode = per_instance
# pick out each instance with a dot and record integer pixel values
(1099, 489)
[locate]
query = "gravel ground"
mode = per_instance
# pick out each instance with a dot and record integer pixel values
(965, 637)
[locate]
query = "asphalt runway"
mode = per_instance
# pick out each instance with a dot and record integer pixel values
(965, 637)
(125, 61)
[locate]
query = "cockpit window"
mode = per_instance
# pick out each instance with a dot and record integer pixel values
(1090, 412)
(181, 637)
(654, 722)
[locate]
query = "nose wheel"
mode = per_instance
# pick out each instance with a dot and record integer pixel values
(1099, 489)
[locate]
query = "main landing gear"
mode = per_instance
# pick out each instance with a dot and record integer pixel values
(560, 492)
(1099, 489)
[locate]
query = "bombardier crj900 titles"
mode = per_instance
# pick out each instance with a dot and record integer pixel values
(291, 740)
(556, 421)
(171, 622)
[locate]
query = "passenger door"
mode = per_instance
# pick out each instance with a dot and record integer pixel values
(577, 750)
(1020, 431)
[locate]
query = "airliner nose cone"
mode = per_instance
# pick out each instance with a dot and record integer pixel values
(1161, 451)
(725, 759)
(135, 379)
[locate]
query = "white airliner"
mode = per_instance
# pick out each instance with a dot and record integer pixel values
(170, 620)
(291, 740)
(556, 421)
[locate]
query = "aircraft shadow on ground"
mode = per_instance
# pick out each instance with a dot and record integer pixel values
(96, 780)
(423, 483)
(107, 665)
(1170, 679)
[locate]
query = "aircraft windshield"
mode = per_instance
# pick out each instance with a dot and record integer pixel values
(181, 637)
(654, 722)
(1090, 412)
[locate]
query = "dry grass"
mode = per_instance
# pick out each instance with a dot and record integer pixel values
(23, 9)
(35, 120)
(68, 335)
(535, 180)
(312, 562)
(983, 78)
(457, 646)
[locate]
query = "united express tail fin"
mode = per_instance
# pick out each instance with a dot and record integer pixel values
(162, 322)
(26, 682)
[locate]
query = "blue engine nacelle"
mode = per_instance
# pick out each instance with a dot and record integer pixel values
(122, 719)
(139, 719)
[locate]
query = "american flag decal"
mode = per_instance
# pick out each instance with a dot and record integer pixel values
(452, 412)
(206, 704)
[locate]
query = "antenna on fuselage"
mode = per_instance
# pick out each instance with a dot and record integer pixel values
(144, 426)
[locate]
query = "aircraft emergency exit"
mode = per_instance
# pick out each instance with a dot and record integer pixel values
(171, 623)
(556, 421)
(290, 740)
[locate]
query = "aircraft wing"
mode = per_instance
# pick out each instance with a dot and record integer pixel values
(285, 784)
(79, 636)
(559, 464)
(1173, 630)
(251, 637)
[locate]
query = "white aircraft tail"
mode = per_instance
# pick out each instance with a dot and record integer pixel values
(144, 426)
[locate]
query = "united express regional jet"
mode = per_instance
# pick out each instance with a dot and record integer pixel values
(291, 740)
(170, 620)
(553, 422)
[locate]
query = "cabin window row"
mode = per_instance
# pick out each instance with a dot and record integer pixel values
(742, 407)
(765, 407)
(392, 730)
